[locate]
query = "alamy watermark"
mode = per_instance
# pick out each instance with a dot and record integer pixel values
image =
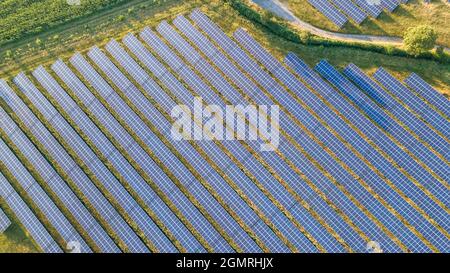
(212, 122)
(373, 247)
(73, 247)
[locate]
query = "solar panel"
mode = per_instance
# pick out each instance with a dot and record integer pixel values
(365, 163)
(327, 9)
(413, 102)
(353, 187)
(153, 142)
(56, 151)
(254, 70)
(232, 95)
(428, 93)
(179, 91)
(4, 221)
(150, 229)
(252, 92)
(333, 168)
(161, 209)
(26, 217)
(176, 88)
(204, 90)
(109, 181)
(388, 103)
(373, 9)
(210, 175)
(400, 181)
(39, 197)
(394, 129)
(258, 52)
(312, 150)
(269, 83)
(55, 182)
(390, 5)
(376, 159)
(351, 10)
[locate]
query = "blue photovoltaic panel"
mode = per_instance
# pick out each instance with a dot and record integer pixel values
(261, 174)
(4, 220)
(39, 197)
(312, 147)
(394, 129)
(400, 181)
(209, 96)
(430, 94)
(56, 183)
(299, 159)
(26, 217)
(188, 152)
(193, 215)
(329, 11)
(269, 61)
(388, 103)
(378, 210)
(390, 5)
(127, 142)
(265, 80)
(373, 9)
(376, 159)
(56, 151)
(161, 151)
(108, 180)
(328, 163)
(225, 65)
(351, 10)
(253, 69)
(413, 102)
(210, 73)
(203, 166)
(150, 229)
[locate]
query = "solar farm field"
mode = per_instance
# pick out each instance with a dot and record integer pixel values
(389, 18)
(90, 163)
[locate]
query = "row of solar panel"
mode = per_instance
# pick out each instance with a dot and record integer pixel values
(230, 199)
(338, 10)
(27, 217)
(266, 59)
(40, 74)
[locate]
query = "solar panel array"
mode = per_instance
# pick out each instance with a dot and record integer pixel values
(90, 144)
(4, 221)
(27, 218)
(337, 11)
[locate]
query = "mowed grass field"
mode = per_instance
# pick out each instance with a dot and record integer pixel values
(63, 40)
(415, 12)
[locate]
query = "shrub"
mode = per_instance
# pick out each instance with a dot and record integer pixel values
(419, 40)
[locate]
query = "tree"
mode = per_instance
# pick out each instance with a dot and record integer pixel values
(419, 39)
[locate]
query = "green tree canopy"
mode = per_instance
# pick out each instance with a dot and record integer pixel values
(420, 39)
